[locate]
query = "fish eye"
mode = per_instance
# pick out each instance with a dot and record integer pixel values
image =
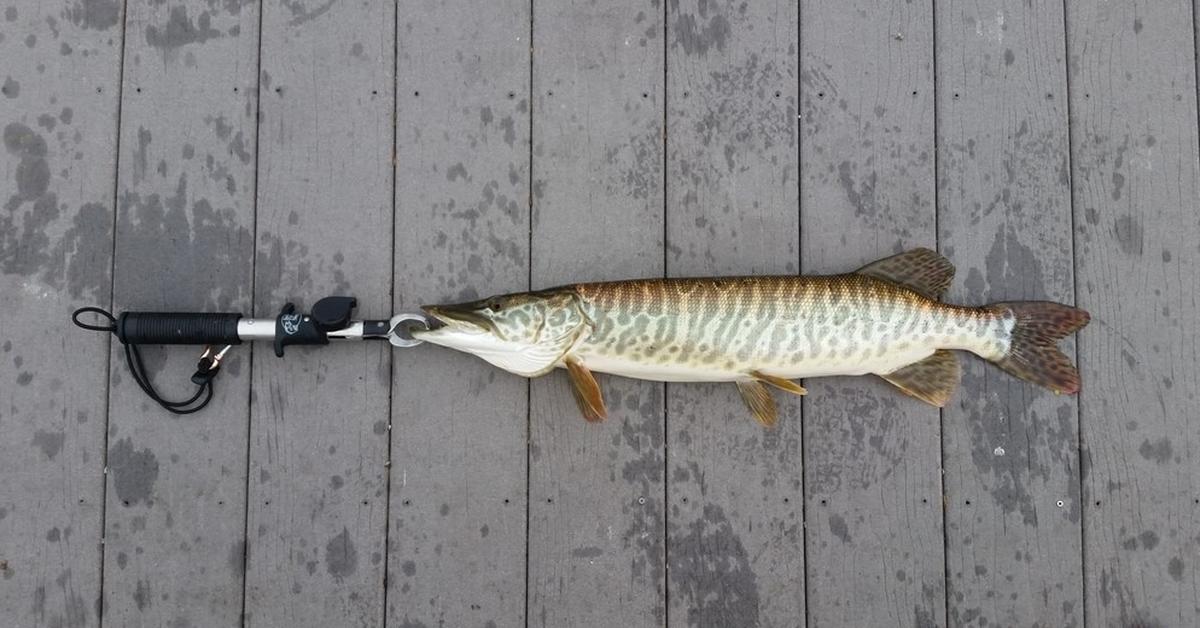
(495, 305)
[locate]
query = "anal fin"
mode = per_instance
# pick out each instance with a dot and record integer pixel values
(759, 399)
(786, 385)
(932, 380)
(586, 391)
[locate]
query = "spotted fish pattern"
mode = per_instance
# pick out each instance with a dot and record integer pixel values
(885, 319)
(791, 327)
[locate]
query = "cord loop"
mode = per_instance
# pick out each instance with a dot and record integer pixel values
(112, 321)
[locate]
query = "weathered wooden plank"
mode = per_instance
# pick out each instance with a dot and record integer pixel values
(458, 479)
(1136, 181)
(58, 110)
(596, 513)
(318, 432)
(873, 489)
(1004, 218)
(176, 486)
(736, 542)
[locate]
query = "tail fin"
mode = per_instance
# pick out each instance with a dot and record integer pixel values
(1033, 354)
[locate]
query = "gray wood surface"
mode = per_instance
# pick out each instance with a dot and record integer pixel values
(1004, 218)
(462, 149)
(459, 454)
(871, 454)
(597, 544)
(735, 556)
(175, 512)
(58, 113)
(319, 418)
(1135, 184)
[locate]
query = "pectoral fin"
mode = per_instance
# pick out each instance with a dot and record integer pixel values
(931, 380)
(780, 383)
(586, 391)
(762, 405)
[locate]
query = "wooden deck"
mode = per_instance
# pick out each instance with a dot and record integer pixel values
(227, 155)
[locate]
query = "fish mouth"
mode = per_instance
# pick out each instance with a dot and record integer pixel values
(463, 316)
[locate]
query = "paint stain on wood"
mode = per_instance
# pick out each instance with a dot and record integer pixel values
(711, 568)
(133, 471)
(341, 558)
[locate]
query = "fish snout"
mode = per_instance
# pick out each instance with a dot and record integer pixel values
(458, 316)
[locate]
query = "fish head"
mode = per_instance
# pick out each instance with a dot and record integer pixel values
(526, 333)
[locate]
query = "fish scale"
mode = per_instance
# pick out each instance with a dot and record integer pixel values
(788, 326)
(886, 318)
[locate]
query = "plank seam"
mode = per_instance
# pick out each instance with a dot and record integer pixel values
(799, 271)
(1083, 588)
(666, 531)
(250, 346)
(112, 290)
(937, 241)
(387, 476)
(529, 285)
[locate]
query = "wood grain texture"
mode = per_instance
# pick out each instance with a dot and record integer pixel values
(1135, 184)
(596, 513)
(58, 115)
(458, 476)
(176, 485)
(1004, 219)
(319, 418)
(872, 472)
(735, 545)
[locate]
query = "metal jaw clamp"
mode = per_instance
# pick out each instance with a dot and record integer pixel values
(401, 327)
(330, 319)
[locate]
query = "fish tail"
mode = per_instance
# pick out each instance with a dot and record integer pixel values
(1033, 353)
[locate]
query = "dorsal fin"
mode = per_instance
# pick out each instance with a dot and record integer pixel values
(920, 270)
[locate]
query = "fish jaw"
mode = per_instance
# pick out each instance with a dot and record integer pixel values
(464, 330)
(464, 317)
(509, 356)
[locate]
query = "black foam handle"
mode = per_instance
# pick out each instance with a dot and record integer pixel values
(175, 328)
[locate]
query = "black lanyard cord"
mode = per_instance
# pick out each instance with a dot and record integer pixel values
(133, 359)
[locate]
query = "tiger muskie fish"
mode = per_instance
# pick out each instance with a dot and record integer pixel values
(885, 318)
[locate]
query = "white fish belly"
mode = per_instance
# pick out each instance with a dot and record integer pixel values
(821, 367)
(691, 372)
(675, 372)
